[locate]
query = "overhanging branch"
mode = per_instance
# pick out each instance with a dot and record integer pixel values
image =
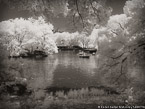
(76, 2)
(95, 10)
(121, 26)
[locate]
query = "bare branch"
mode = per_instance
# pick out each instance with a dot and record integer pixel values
(121, 26)
(124, 59)
(119, 56)
(112, 64)
(76, 1)
(95, 10)
(141, 44)
(118, 78)
(74, 19)
(114, 32)
(121, 70)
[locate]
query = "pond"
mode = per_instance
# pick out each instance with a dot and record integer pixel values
(57, 72)
(64, 69)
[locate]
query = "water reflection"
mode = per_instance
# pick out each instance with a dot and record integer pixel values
(64, 69)
(73, 71)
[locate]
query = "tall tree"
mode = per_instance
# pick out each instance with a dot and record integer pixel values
(125, 42)
(83, 14)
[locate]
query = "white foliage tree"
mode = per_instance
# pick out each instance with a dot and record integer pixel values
(66, 38)
(21, 36)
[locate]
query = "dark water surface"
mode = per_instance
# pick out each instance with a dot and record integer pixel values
(64, 69)
(61, 71)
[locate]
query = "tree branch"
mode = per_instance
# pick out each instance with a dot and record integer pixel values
(112, 64)
(94, 11)
(121, 70)
(74, 19)
(76, 1)
(121, 26)
(119, 56)
(114, 32)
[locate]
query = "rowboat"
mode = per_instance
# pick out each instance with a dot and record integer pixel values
(83, 55)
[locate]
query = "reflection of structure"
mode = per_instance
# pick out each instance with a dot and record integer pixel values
(84, 55)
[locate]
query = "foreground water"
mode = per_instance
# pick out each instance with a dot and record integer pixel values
(64, 69)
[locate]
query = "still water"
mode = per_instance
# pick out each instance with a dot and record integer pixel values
(64, 69)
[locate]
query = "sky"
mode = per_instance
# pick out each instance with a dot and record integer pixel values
(117, 6)
(60, 23)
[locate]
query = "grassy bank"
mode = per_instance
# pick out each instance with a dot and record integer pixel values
(85, 98)
(90, 99)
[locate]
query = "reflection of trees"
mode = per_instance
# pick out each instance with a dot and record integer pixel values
(43, 76)
(36, 73)
(42, 72)
(74, 72)
(52, 67)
